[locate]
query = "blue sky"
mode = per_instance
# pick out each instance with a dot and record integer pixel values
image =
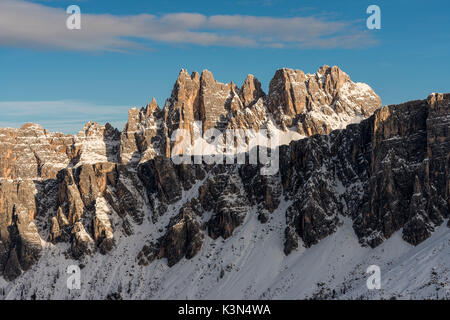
(130, 51)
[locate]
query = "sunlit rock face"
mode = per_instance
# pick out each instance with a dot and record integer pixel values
(320, 102)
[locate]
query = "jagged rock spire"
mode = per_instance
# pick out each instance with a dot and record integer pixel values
(251, 91)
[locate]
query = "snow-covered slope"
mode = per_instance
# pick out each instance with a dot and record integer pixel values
(249, 265)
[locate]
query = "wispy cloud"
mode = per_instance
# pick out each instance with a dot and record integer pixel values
(66, 115)
(27, 24)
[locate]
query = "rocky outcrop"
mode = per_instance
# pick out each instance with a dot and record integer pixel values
(183, 107)
(88, 197)
(183, 239)
(82, 243)
(96, 143)
(251, 91)
(309, 177)
(60, 227)
(20, 242)
(141, 139)
(160, 178)
(103, 231)
(230, 208)
(148, 254)
(263, 191)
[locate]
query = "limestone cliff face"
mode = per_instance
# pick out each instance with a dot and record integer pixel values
(32, 151)
(142, 137)
(92, 190)
(183, 107)
(320, 102)
(20, 242)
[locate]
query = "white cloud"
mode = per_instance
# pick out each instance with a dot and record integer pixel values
(26, 24)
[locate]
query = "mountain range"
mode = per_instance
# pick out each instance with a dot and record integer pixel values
(358, 184)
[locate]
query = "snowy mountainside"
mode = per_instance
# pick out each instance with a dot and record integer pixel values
(251, 265)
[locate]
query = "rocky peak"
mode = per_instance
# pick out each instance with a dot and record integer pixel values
(251, 91)
(96, 143)
(332, 78)
(320, 102)
(199, 98)
(151, 107)
(92, 130)
(216, 100)
(141, 137)
(31, 152)
(182, 108)
(287, 92)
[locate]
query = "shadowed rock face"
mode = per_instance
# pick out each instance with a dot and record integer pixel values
(184, 237)
(388, 172)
